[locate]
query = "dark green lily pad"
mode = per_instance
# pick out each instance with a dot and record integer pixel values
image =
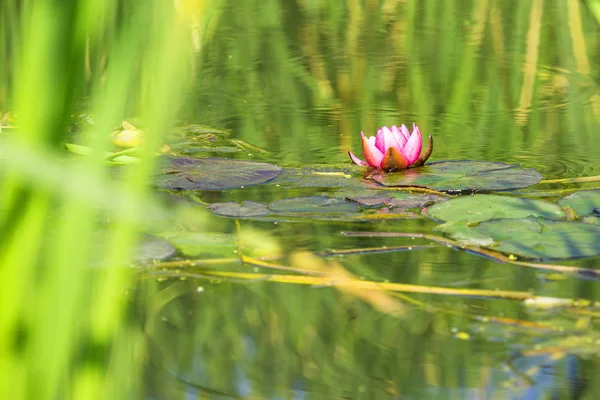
(372, 200)
(183, 173)
(403, 200)
(233, 209)
(483, 207)
(462, 177)
(534, 238)
(584, 203)
(309, 208)
(314, 204)
(153, 248)
(325, 176)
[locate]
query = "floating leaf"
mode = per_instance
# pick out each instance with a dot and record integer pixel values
(483, 207)
(461, 232)
(314, 204)
(463, 176)
(584, 203)
(372, 200)
(330, 176)
(404, 200)
(536, 238)
(213, 173)
(310, 207)
(198, 244)
(233, 209)
(153, 248)
(331, 208)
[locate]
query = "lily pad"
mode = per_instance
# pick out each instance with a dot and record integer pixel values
(325, 176)
(153, 248)
(314, 204)
(233, 209)
(403, 200)
(462, 177)
(483, 207)
(309, 208)
(584, 203)
(534, 238)
(183, 173)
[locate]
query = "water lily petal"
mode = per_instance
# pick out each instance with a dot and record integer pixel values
(405, 132)
(413, 147)
(386, 139)
(379, 140)
(357, 160)
(424, 155)
(370, 151)
(399, 136)
(394, 160)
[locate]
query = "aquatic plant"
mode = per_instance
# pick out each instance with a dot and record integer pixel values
(394, 149)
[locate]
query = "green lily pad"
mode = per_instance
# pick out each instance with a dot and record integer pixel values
(153, 248)
(534, 238)
(309, 208)
(461, 231)
(584, 203)
(463, 177)
(314, 204)
(183, 173)
(233, 209)
(324, 176)
(483, 207)
(403, 200)
(200, 244)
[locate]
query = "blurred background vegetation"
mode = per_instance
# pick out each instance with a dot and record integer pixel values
(512, 81)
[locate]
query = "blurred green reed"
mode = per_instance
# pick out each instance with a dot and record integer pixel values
(64, 326)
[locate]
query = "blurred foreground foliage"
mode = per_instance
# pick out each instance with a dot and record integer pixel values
(64, 325)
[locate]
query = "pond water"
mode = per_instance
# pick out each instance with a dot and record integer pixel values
(295, 82)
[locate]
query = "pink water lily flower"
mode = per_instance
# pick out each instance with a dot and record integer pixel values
(394, 149)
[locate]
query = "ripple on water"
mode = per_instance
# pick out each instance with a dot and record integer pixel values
(566, 164)
(559, 87)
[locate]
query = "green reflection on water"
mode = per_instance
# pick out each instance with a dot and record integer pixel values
(491, 80)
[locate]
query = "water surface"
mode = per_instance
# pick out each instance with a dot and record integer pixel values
(497, 81)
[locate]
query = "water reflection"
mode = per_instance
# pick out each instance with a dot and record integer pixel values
(499, 81)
